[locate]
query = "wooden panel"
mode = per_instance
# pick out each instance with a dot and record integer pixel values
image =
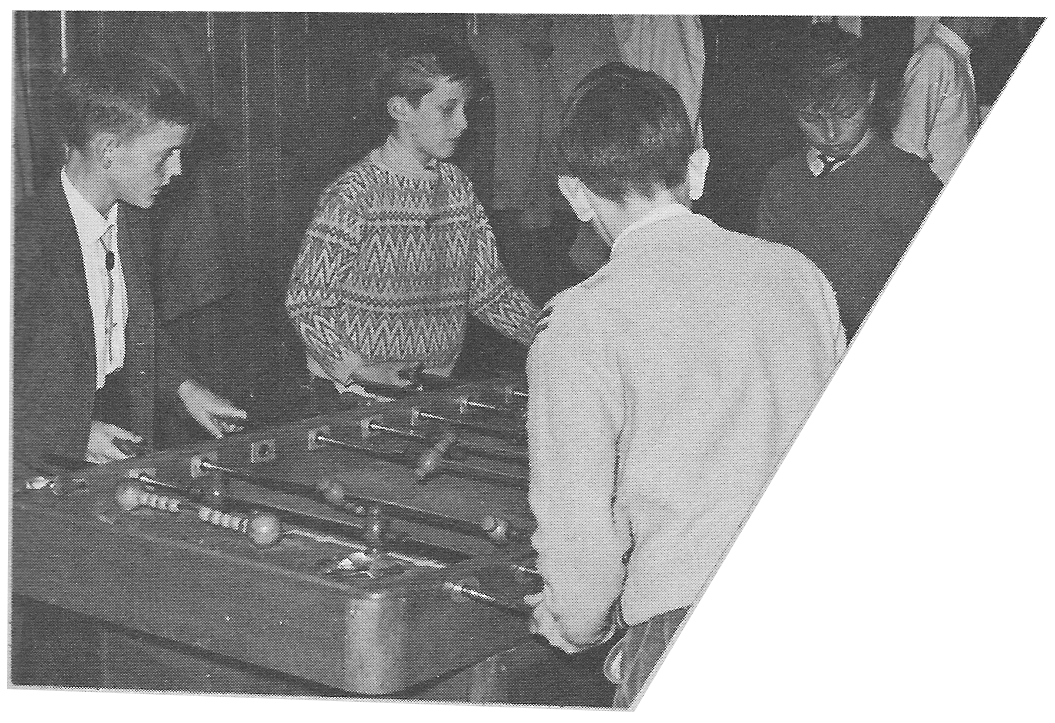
(38, 67)
(889, 39)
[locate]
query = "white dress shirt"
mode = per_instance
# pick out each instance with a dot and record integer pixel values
(814, 158)
(939, 105)
(91, 230)
(672, 47)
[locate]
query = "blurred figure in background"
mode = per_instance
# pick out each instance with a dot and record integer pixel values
(939, 102)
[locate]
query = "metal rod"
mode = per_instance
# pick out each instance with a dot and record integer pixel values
(460, 588)
(360, 547)
(471, 470)
(481, 473)
(360, 505)
(298, 530)
(516, 457)
(395, 431)
(465, 402)
(365, 448)
(498, 455)
(503, 433)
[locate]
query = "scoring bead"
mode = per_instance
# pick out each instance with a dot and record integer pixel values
(128, 496)
(334, 493)
(265, 529)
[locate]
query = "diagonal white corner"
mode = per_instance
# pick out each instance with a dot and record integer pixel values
(900, 565)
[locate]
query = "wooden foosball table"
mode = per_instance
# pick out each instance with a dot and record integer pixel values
(376, 551)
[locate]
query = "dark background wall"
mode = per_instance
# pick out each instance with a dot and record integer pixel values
(288, 95)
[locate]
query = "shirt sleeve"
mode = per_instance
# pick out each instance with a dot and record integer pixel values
(492, 297)
(574, 418)
(925, 84)
(322, 277)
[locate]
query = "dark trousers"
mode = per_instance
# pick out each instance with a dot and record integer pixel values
(632, 660)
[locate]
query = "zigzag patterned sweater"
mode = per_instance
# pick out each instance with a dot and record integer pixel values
(392, 264)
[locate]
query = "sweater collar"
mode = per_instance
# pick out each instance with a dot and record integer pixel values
(661, 213)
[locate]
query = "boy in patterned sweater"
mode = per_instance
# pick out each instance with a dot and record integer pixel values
(400, 250)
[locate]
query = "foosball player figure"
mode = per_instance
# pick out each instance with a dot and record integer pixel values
(85, 338)
(665, 389)
(400, 250)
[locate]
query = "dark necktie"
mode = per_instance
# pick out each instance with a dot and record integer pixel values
(107, 240)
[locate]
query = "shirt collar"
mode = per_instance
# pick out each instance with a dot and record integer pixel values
(91, 224)
(813, 157)
(950, 38)
(656, 215)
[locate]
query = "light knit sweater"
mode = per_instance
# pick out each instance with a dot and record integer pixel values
(664, 392)
(391, 265)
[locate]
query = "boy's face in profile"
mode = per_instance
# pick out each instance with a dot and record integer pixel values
(432, 129)
(143, 163)
(836, 128)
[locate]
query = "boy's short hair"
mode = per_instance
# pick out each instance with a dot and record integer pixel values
(626, 130)
(119, 92)
(829, 68)
(410, 68)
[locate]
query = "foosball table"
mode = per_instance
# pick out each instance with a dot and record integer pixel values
(379, 550)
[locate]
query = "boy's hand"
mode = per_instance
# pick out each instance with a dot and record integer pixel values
(386, 374)
(101, 447)
(351, 368)
(544, 623)
(210, 411)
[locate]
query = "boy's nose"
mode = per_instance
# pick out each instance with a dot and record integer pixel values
(831, 130)
(460, 121)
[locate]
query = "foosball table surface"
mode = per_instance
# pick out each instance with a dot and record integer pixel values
(392, 568)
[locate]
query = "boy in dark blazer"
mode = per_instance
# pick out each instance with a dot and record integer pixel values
(84, 378)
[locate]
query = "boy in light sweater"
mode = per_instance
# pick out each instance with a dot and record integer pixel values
(666, 388)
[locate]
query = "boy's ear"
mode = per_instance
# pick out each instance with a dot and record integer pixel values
(699, 161)
(399, 107)
(101, 146)
(575, 191)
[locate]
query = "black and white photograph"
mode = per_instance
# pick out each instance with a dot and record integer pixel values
(363, 357)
